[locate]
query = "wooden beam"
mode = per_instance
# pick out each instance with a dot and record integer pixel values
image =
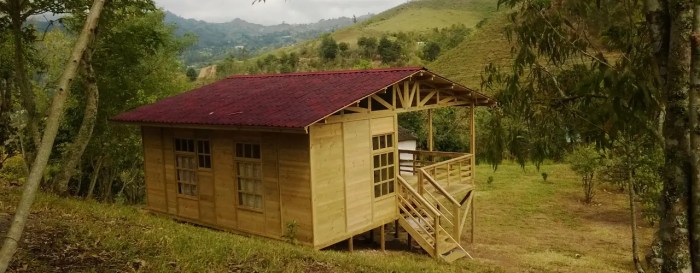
(357, 109)
(473, 219)
(427, 97)
(430, 130)
(350, 246)
(472, 135)
(382, 102)
(399, 92)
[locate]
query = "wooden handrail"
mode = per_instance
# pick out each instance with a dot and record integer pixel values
(417, 196)
(433, 153)
(432, 181)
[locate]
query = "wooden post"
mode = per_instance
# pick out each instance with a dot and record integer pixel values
(430, 128)
(457, 225)
(473, 217)
(396, 229)
(350, 246)
(371, 235)
(472, 145)
(382, 241)
(408, 240)
(436, 228)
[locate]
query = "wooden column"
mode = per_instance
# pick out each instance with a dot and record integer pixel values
(472, 144)
(382, 239)
(350, 246)
(473, 218)
(430, 129)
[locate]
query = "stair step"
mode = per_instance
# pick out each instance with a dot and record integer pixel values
(454, 255)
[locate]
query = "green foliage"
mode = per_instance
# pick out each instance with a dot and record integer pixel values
(431, 50)
(134, 38)
(368, 46)
(489, 180)
(544, 176)
(290, 231)
(329, 48)
(191, 74)
(388, 50)
(14, 169)
(343, 47)
(586, 161)
(641, 160)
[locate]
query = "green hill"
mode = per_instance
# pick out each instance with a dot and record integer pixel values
(465, 62)
(420, 16)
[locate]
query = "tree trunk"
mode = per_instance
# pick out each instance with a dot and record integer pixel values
(13, 235)
(22, 82)
(694, 189)
(94, 176)
(676, 171)
(633, 223)
(75, 150)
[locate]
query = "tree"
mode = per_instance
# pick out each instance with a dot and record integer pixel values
(368, 45)
(56, 111)
(564, 76)
(388, 50)
(586, 161)
(329, 48)
(431, 50)
(191, 74)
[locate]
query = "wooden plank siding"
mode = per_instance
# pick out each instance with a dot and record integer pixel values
(341, 175)
(285, 181)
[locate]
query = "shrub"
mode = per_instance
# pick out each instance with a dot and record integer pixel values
(431, 50)
(329, 48)
(489, 180)
(290, 231)
(544, 176)
(586, 161)
(14, 169)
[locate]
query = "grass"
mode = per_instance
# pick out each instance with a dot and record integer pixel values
(466, 62)
(420, 16)
(524, 224)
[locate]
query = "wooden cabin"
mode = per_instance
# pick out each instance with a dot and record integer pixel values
(254, 154)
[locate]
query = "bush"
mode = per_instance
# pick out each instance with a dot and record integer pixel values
(431, 51)
(388, 50)
(544, 176)
(14, 170)
(329, 48)
(586, 161)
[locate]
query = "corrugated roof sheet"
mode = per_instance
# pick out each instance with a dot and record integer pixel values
(293, 100)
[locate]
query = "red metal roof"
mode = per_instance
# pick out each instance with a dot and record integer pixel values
(293, 100)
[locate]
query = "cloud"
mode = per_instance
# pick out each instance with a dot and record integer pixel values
(274, 11)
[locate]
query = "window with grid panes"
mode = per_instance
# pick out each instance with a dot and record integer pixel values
(249, 176)
(188, 159)
(383, 167)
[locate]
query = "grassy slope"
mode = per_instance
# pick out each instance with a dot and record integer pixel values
(465, 62)
(420, 16)
(523, 224)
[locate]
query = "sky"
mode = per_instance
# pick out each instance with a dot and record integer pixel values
(274, 12)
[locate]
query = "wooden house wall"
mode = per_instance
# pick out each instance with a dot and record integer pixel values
(341, 175)
(285, 174)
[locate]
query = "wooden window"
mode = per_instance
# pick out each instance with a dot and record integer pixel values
(249, 176)
(383, 171)
(186, 175)
(204, 154)
(188, 160)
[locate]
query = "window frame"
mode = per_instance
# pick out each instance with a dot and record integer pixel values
(384, 153)
(191, 150)
(256, 159)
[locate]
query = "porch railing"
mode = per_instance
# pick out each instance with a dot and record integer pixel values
(439, 175)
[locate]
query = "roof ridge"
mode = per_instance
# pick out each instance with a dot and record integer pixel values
(329, 72)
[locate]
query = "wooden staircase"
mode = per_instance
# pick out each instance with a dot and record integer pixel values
(429, 212)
